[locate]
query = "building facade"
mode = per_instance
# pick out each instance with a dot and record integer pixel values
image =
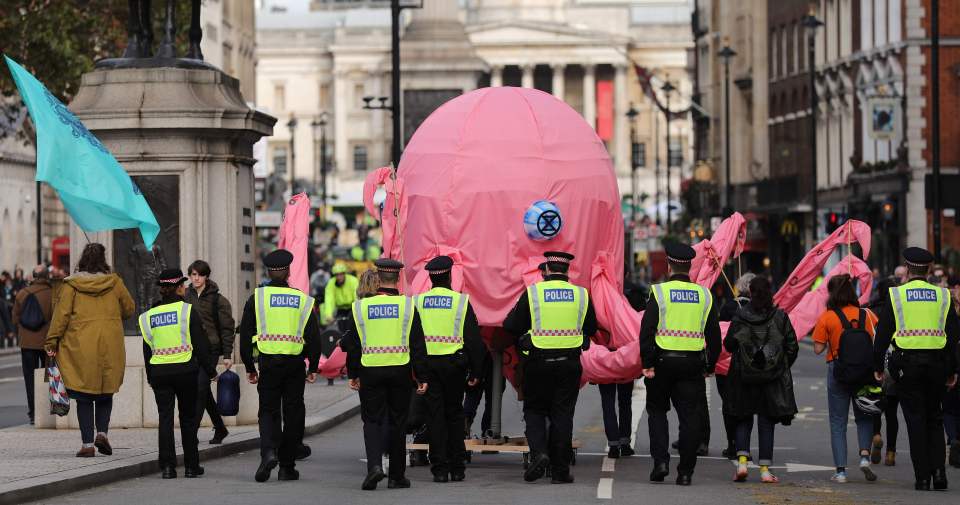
(324, 57)
(229, 40)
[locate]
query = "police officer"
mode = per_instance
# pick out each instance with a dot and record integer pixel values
(338, 296)
(679, 346)
(553, 320)
(175, 347)
(383, 343)
(924, 331)
(452, 337)
(280, 329)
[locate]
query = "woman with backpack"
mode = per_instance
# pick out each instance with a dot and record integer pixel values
(763, 346)
(846, 332)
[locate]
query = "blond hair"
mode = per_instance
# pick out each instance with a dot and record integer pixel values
(369, 284)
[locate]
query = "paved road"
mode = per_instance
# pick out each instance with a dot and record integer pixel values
(334, 473)
(13, 398)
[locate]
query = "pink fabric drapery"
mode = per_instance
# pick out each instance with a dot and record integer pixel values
(294, 234)
(805, 314)
(713, 253)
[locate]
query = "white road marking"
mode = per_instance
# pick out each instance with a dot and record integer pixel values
(11, 379)
(605, 489)
(800, 467)
(609, 465)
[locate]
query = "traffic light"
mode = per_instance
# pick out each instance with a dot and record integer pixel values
(888, 211)
(833, 221)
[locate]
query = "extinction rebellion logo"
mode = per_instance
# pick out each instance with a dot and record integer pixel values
(67, 118)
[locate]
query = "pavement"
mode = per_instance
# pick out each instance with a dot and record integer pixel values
(13, 396)
(802, 460)
(40, 464)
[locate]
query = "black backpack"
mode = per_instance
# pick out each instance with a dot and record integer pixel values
(853, 366)
(761, 357)
(31, 315)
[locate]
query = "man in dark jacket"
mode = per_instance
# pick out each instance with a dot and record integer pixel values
(215, 312)
(31, 341)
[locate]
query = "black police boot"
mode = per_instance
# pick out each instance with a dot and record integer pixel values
(219, 435)
(304, 452)
(684, 480)
(675, 445)
(613, 452)
(922, 484)
(401, 483)
(626, 451)
(940, 479)
(288, 473)
(703, 450)
(538, 467)
(561, 477)
(419, 459)
(955, 454)
(169, 472)
(193, 473)
(659, 472)
(730, 452)
(267, 464)
(457, 476)
(441, 477)
(373, 477)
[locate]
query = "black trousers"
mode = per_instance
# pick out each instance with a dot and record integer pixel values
(550, 390)
(31, 359)
(181, 387)
(617, 427)
(680, 381)
(729, 422)
(445, 407)
(281, 411)
(384, 405)
(484, 390)
(206, 401)
(920, 388)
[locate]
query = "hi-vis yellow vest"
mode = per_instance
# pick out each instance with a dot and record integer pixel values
(166, 329)
(920, 310)
(684, 307)
(557, 312)
(383, 323)
(442, 312)
(282, 315)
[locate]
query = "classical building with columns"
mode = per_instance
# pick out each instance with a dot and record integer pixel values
(322, 57)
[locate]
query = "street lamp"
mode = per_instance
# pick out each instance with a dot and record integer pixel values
(634, 162)
(292, 126)
(726, 53)
(321, 125)
(668, 88)
(811, 23)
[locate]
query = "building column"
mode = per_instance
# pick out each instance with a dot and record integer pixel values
(496, 76)
(559, 81)
(341, 149)
(621, 130)
(527, 80)
(590, 94)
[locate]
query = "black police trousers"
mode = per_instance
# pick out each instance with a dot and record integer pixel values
(282, 410)
(921, 385)
(384, 405)
(550, 389)
(181, 389)
(445, 406)
(678, 380)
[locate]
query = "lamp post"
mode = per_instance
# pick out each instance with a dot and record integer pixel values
(726, 53)
(811, 23)
(292, 126)
(668, 88)
(935, 133)
(634, 162)
(321, 125)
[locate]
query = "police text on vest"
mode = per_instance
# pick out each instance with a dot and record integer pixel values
(684, 296)
(438, 302)
(285, 301)
(163, 319)
(921, 295)
(558, 295)
(383, 312)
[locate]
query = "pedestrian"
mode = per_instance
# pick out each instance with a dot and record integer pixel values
(215, 312)
(175, 350)
(279, 324)
(616, 402)
(679, 345)
(384, 344)
(828, 335)
(454, 359)
(891, 404)
(763, 346)
(726, 313)
(368, 284)
(339, 295)
(483, 390)
(924, 333)
(31, 302)
(553, 320)
(86, 337)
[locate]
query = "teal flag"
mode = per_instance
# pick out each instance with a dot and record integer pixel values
(96, 191)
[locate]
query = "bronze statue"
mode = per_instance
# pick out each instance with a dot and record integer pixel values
(140, 31)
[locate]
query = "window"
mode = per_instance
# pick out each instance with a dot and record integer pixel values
(640, 154)
(784, 69)
(280, 160)
(675, 155)
(358, 93)
(279, 97)
(360, 158)
(324, 96)
(774, 57)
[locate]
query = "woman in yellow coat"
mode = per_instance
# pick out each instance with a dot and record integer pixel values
(86, 336)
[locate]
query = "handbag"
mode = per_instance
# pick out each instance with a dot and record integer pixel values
(228, 393)
(59, 401)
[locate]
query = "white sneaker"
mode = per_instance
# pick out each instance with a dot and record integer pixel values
(867, 471)
(839, 477)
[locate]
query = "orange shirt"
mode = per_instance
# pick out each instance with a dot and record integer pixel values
(828, 328)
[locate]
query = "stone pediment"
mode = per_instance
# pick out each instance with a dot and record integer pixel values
(539, 33)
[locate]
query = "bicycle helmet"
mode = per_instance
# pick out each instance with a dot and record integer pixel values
(870, 400)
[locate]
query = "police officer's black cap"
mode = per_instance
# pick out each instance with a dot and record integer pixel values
(560, 257)
(171, 277)
(388, 265)
(917, 256)
(439, 265)
(278, 260)
(542, 266)
(679, 252)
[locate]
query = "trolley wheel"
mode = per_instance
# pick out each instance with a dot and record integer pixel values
(526, 460)
(413, 459)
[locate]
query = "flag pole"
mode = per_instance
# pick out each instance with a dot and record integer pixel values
(39, 227)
